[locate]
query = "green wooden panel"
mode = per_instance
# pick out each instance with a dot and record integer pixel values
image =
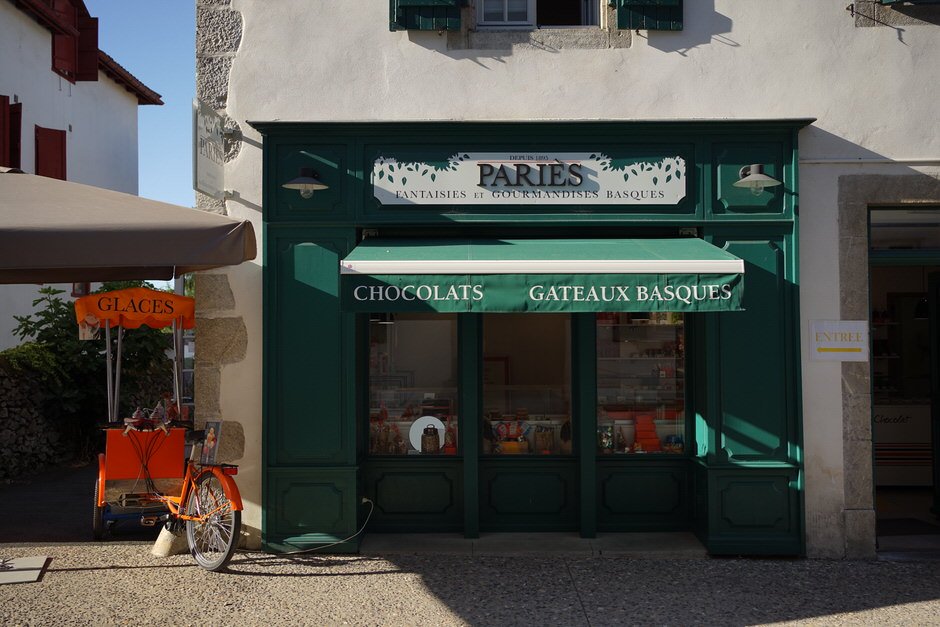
(754, 511)
(364, 142)
(643, 495)
(650, 14)
(308, 355)
(532, 495)
(729, 158)
(412, 495)
(329, 162)
(753, 388)
(310, 507)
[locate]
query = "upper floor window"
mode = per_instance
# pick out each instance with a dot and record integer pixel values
(538, 13)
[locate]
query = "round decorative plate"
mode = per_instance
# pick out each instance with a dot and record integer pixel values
(417, 428)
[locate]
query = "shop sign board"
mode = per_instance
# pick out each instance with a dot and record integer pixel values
(543, 292)
(208, 151)
(839, 340)
(529, 178)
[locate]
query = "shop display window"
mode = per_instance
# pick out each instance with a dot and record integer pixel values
(640, 383)
(527, 384)
(413, 384)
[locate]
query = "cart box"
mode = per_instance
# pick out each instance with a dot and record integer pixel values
(142, 454)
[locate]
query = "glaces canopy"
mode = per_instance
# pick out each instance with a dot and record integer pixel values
(136, 306)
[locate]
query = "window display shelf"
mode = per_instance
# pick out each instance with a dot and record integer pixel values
(641, 386)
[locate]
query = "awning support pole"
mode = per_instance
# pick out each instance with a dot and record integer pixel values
(109, 370)
(117, 373)
(177, 388)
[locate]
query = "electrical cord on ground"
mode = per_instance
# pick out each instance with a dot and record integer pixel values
(326, 546)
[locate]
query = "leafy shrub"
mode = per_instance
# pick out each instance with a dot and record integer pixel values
(73, 371)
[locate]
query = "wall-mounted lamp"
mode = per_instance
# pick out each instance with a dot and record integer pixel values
(307, 182)
(753, 177)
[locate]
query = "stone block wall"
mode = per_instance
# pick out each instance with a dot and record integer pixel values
(28, 441)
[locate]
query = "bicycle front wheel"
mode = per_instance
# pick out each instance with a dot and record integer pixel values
(213, 537)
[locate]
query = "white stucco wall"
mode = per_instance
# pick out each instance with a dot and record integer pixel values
(99, 117)
(873, 91)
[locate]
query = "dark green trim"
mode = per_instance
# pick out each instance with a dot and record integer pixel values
(584, 406)
(470, 351)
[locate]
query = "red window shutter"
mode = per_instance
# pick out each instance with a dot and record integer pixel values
(16, 134)
(87, 66)
(50, 153)
(65, 47)
(5, 132)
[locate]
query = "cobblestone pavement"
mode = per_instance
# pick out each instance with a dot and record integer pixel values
(440, 582)
(121, 583)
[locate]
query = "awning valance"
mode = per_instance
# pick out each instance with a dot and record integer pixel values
(571, 275)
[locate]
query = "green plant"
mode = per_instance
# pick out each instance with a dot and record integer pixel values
(73, 370)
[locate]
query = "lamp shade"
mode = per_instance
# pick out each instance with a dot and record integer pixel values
(307, 182)
(753, 177)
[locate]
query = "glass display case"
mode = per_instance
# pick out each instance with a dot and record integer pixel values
(413, 384)
(640, 383)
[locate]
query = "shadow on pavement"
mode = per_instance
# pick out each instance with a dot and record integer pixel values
(56, 505)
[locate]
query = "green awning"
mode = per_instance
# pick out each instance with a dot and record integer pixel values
(570, 275)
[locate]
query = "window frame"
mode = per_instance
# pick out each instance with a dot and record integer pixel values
(590, 18)
(528, 23)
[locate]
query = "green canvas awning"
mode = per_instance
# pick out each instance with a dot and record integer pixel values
(570, 275)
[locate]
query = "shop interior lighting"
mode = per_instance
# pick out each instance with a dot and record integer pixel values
(307, 182)
(753, 177)
(382, 318)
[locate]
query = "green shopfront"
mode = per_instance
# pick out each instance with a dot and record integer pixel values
(532, 326)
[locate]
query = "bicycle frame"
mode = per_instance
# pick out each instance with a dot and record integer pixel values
(175, 503)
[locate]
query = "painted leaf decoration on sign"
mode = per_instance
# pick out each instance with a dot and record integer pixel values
(404, 180)
(381, 174)
(391, 179)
